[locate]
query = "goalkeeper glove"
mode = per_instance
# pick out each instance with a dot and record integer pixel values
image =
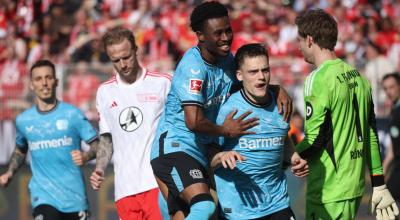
(383, 203)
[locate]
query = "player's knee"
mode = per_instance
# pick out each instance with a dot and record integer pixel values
(202, 207)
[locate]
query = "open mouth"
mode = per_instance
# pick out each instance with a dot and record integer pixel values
(260, 85)
(225, 47)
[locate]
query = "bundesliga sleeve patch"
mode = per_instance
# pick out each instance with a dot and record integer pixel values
(195, 86)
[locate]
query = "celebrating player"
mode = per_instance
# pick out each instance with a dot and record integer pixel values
(258, 182)
(340, 132)
(52, 131)
(202, 81)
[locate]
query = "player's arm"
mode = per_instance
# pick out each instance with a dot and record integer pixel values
(291, 157)
(373, 153)
(80, 158)
(17, 159)
(317, 124)
(197, 122)
(381, 200)
(284, 101)
(103, 157)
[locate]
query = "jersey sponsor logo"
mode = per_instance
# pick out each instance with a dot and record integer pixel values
(355, 154)
(309, 110)
(260, 143)
(51, 143)
(130, 119)
(62, 124)
(194, 72)
(195, 86)
(148, 97)
(394, 131)
(29, 129)
(196, 174)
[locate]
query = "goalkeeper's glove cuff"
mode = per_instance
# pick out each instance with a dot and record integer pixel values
(377, 180)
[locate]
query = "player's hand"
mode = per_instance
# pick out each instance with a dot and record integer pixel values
(96, 179)
(299, 166)
(239, 126)
(5, 179)
(229, 158)
(78, 157)
(285, 104)
(383, 203)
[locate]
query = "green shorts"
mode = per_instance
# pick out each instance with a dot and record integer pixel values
(341, 210)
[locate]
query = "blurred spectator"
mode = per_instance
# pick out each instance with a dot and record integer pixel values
(376, 67)
(13, 93)
(296, 131)
(158, 46)
(81, 88)
(391, 85)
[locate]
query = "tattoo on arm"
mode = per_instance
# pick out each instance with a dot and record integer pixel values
(91, 154)
(104, 151)
(17, 159)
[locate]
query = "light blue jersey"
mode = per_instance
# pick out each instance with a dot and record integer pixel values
(258, 185)
(50, 137)
(195, 82)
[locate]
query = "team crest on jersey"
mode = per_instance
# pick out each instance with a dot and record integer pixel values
(394, 131)
(62, 124)
(309, 110)
(148, 97)
(130, 118)
(195, 86)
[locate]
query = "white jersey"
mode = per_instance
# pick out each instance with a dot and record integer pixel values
(130, 113)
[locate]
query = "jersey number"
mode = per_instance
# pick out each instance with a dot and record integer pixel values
(358, 124)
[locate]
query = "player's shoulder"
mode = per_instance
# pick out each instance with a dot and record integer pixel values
(158, 77)
(68, 108)
(28, 113)
(191, 59)
(233, 101)
(109, 82)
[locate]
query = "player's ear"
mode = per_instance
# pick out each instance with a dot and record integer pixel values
(200, 36)
(31, 85)
(239, 75)
(309, 40)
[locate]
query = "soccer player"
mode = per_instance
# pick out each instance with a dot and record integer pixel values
(258, 182)
(391, 85)
(51, 130)
(340, 132)
(129, 105)
(202, 81)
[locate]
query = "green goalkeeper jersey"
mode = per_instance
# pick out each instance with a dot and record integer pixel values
(340, 133)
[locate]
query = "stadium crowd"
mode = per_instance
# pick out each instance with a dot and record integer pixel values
(69, 32)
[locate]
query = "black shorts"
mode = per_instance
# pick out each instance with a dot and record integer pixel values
(48, 212)
(178, 170)
(284, 214)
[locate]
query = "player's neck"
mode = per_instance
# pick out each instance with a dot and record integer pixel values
(207, 56)
(46, 105)
(257, 100)
(136, 73)
(324, 55)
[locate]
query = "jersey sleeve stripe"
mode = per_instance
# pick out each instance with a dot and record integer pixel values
(156, 74)
(111, 80)
(184, 103)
